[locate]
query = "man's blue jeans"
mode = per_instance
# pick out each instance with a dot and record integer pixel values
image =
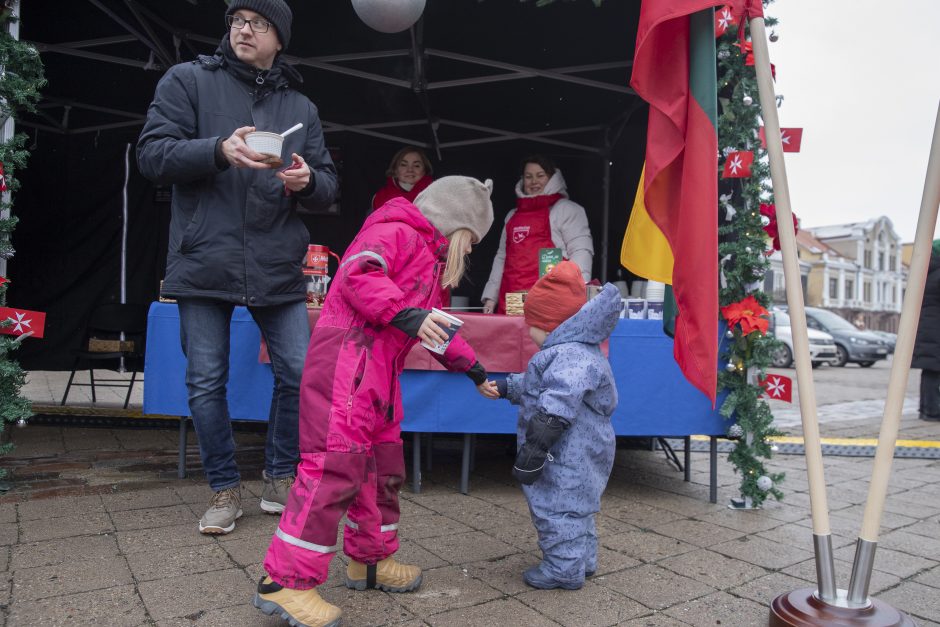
(204, 333)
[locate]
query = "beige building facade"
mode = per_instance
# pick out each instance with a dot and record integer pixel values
(856, 270)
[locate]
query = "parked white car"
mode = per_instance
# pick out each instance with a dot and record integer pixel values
(822, 348)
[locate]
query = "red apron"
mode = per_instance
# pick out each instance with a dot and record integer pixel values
(528, 230)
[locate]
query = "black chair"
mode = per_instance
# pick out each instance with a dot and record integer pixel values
(115, 332)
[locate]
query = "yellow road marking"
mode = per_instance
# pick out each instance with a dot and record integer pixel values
(846, 441)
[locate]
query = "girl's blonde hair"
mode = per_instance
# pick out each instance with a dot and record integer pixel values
(456, 264)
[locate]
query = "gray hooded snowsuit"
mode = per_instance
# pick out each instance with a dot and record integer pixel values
(571, 378)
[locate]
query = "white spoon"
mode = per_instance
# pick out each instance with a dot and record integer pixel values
(295, 127)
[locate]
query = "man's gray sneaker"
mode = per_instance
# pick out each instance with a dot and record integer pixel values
(225, 507)
(274, 493)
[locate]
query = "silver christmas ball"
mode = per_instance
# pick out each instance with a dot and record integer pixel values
(724, 54)
(729, 334)
(748, 100)
(764, 483)
(735, 432)
(765, 221)
(747, 249)
(730, 367)
(773, 36)
(389, 16)
(21, 423)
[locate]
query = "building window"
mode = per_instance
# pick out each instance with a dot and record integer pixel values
(849, 289)
(881, 262)
(867, 263)
(892, 261)
(866, 292)
(834, 289)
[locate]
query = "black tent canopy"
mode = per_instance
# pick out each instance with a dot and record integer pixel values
(478, 83)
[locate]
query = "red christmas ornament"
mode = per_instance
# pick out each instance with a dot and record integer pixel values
(3, 281)
(3, 179)
(771, 229)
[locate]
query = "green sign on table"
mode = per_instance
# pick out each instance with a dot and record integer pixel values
(548, 259)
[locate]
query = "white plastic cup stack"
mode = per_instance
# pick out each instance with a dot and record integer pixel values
(638, 289)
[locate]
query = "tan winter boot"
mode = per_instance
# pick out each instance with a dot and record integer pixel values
(387, 575)
(300, 608)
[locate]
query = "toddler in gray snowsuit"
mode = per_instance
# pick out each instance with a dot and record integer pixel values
(565, 439)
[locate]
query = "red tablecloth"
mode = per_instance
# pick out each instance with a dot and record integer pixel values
(501, 343)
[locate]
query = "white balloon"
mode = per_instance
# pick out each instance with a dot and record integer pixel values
(389, 16)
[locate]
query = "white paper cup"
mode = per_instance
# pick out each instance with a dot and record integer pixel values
(455, 324)
(635, 309)
(265, 143)
(654, 309)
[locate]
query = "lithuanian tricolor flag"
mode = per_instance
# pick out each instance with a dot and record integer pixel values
(674, 225)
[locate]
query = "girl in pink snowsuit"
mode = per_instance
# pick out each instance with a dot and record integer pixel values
(352, 461)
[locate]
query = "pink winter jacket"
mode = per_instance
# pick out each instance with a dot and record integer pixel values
(355, 356)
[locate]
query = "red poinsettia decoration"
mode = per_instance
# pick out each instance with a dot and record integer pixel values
(748, 313)
(771, 229)
(3, 280)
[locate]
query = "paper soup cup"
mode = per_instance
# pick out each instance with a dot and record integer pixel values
(455, 324)
(265, 143)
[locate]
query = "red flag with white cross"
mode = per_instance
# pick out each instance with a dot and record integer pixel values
(738, 165)
(22, 321)
(724, 19)
(791, 138)
(778, 387)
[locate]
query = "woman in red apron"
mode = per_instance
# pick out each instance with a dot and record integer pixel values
(408, 174)
(544, 217)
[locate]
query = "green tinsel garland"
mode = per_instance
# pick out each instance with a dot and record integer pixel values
(741, 253)
(21, 79)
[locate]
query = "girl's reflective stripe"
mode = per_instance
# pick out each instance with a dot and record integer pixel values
(303, 544)
(368, 253)
(383, 528)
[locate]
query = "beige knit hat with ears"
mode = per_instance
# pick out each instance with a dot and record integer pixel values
(458, 202)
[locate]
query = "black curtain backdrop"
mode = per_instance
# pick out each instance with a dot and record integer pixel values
(69, 235)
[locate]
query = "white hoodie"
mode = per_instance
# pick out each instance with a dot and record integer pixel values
(570, 232)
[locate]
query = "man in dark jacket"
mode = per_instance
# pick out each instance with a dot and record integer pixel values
(235, 237)
(927, 344)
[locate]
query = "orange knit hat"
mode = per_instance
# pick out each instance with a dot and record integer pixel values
(555, 297)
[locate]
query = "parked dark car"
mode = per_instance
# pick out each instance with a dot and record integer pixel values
(890, 338)
(852, 345)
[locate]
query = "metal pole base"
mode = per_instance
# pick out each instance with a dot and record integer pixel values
(802, 607)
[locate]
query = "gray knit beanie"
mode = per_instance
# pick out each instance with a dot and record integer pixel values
(275, 11)
(458, 202)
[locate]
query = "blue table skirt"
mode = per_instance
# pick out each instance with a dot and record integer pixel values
(655, 399)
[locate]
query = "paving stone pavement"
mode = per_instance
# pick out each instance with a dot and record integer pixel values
(96, 529)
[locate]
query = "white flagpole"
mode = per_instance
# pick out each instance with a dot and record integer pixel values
(900, 368)
(822, 536)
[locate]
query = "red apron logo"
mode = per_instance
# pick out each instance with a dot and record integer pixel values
(519, 233)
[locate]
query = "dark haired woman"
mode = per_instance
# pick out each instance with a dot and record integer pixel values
(544, 217)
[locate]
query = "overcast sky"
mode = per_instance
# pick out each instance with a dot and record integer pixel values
(862, 78)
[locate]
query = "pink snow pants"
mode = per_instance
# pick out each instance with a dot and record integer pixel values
(348, 465)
